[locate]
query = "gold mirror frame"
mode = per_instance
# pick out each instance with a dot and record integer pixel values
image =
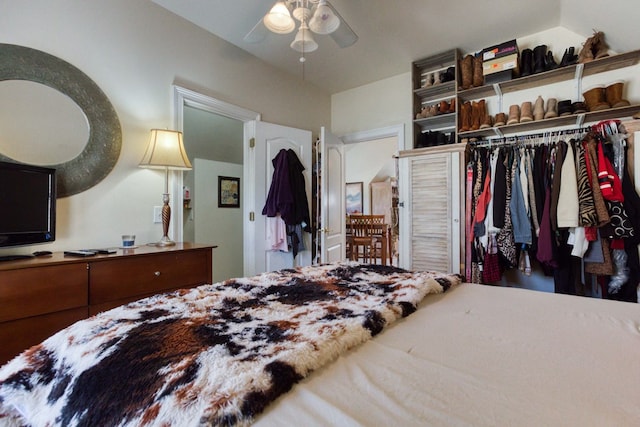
(102, 150)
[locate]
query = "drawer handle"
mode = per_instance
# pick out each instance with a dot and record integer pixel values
(157, 273)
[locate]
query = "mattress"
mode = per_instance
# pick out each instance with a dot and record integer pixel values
(483, 356)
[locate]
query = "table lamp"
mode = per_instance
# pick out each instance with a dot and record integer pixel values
(165, 151)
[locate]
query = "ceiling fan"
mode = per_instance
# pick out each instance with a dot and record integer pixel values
(317, 16)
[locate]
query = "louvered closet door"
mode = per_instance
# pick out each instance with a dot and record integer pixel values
(435, 212)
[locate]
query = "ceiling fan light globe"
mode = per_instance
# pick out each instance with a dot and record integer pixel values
(304, 42)
(279, 20)
(324, 21)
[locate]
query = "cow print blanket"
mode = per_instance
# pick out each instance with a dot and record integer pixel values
(214, 355)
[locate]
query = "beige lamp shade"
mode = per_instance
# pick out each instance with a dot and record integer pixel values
(279, 19)
(165, 150)
(304, 42)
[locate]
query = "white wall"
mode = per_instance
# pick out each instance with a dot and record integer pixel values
(135, 51)
(377, 105)
(214, 225)
(366, 160)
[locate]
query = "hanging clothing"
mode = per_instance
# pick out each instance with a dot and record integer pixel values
(276, 234)
(546, 200)
(288, 198)
(568, 204)
(287, 194)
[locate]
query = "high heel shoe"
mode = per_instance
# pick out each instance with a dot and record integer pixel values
(569, 57)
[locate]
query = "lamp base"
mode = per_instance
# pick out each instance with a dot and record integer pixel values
(165, 241)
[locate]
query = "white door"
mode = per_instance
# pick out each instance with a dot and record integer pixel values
(269, 140)
(332, 213)
(432, 211)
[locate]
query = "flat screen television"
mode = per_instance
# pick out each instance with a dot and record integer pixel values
(27, 204)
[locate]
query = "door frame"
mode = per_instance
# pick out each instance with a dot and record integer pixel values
(390, 132)
(186, 97)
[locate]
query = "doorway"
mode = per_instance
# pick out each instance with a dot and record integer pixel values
(371, 157)
(214, 146)
(214, 136)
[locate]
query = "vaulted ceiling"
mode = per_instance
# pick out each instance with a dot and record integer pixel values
(392, 34)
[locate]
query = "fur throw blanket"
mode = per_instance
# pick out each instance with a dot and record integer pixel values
(213, 355)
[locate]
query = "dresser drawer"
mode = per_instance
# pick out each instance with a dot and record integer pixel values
(30, 292)
(121, 279)
(19, 335)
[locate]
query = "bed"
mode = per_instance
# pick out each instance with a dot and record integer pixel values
(443, 353)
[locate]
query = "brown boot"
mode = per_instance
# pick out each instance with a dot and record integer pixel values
(538, 109)
(501, 119)
(484, 120)
(586, 53)
(514, 114)
(476, 114)
(595, 98)
(478, 77)
(443, 108)
(452, 105)
(526, 115)
(466, 72)
(465, 117)
(599, 48)
(593, 48)
(552, 108)
(613, 94)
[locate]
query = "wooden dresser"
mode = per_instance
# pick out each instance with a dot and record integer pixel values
(40, 296)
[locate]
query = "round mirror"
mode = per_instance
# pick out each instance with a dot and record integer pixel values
(80, 165)
(40, 125)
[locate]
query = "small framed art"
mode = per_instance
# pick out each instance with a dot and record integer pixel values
(353, 201)
(228, 192)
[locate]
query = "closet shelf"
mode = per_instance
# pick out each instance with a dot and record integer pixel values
(575, 119)
(442, 121)
(601, 65)
(436, 91)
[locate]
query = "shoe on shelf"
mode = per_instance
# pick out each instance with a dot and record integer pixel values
(452, 105)
(465, 116)
(539, 59)
(569, 57)
(501, 120)
(593, 48)
(476, 113)
(428, 80)
(564, 108)
(595, 98)
(514, 114)
(443, 108)
(478, 76)
(486, 122)
(552, 108)
(526, 62)
(550, 62)
(613, 95)
(466, 72)
(578, 107)
(538, 109)
(526, 115)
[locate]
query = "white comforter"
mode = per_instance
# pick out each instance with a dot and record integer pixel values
(483, 356)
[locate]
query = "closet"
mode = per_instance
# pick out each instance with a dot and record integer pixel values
(563, 201)
(436, 174)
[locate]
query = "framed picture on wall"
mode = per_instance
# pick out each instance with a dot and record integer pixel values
(353, 196)
(228, 192)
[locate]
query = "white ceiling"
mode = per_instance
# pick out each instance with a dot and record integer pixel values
(393, 33)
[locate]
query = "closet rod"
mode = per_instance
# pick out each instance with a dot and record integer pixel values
(524, 139)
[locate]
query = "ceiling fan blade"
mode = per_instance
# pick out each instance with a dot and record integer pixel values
(257, 34)
(344, 36)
